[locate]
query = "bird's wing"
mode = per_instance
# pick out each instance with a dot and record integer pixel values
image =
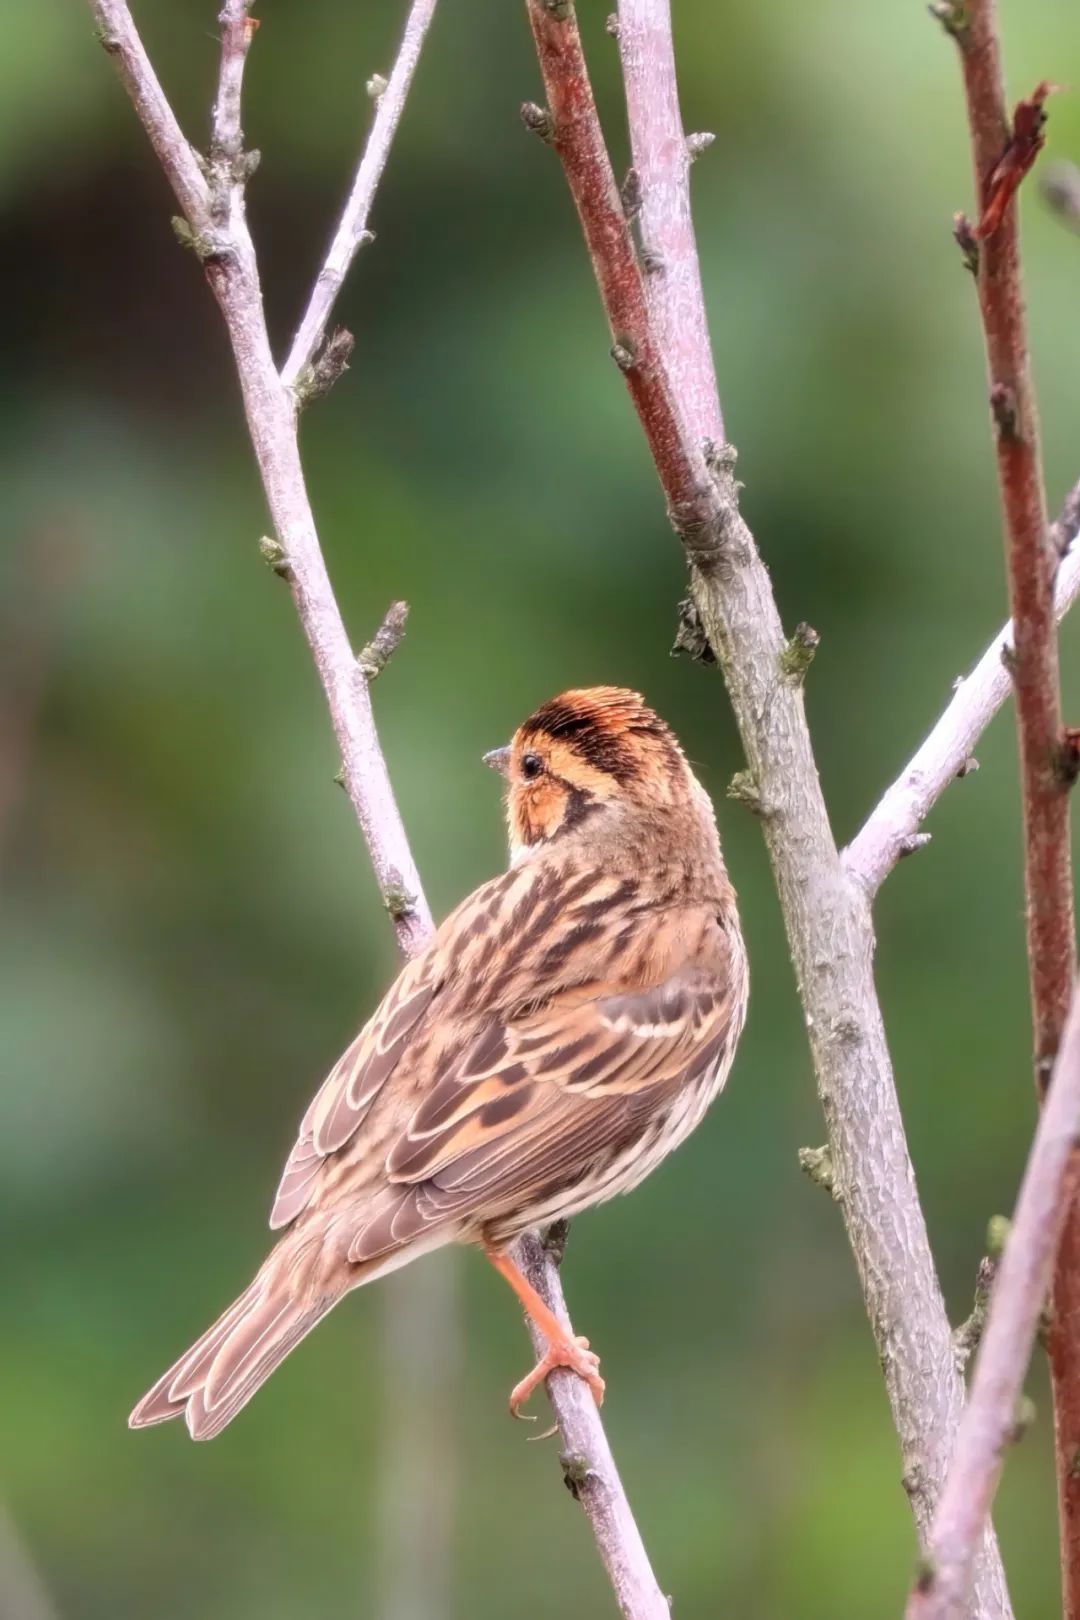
(453, 979)
(547, 1099)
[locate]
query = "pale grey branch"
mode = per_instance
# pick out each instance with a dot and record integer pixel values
(588, 1466)
(352, 229)
(1016, 1303)
(946, 753)
(221, 237)
(826, 912)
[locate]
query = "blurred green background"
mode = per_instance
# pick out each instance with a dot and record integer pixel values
(189, 931)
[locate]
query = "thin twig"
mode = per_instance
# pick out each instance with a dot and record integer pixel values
(588, 1466)
(229, 259)
(826, 913)
(352, 231)
(1019, 1292)
(947, 752)
(1001, 154)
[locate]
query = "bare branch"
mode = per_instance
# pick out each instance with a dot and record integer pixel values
(662, 159)
(1019, 1291)
(118, 37)
(1002, 153)
(588, 1466)
(946, 753)
(352, 231)
(826, 913)
(269, 405)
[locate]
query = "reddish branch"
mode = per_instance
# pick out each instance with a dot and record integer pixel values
(990, 1419)
(1002, 155)
(573, 129)
(826, 913)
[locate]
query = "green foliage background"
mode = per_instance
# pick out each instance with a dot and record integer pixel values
(189, 931)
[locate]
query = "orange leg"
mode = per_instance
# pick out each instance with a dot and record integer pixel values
(564, 1349)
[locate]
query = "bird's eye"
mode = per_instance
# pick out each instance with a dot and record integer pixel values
(531, 766)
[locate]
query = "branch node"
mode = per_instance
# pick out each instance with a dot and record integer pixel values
(911, 843)
(967, 1336)
(744, 790)
(108, 42)
(373, 659)
(913, 1479)
(1067, 757)
(624, 353)
(396, 897)
(925, 1568)
(817, 1163)
(200, 243)
(611, 25)
(375, 88)
(953, 17)
(968, 243)
(561, 10)
(1009, 658)
(319, 377)
(967, 768)
(690, 637)
(652, 262)
(273, 555)
(575, 1471)
(538, 121)
(555, 1240)
(798, 654)
(1003, 408)
(699, 142)
(630, 195)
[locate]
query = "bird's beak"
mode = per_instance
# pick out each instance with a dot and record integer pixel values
(499, 760)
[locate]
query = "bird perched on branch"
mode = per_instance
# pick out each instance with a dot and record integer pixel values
(564, 1030)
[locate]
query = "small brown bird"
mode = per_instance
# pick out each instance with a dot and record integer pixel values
(565, 1029)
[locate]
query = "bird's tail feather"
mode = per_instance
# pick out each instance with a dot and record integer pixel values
(222, 1370)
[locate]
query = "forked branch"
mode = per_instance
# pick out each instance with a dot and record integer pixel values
(219, 233)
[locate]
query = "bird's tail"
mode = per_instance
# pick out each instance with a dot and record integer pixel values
(223, 1369)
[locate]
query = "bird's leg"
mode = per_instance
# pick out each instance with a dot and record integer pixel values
(564, 1349)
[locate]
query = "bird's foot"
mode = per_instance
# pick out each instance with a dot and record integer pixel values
(573, 1353)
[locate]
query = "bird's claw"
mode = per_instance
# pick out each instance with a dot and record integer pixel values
(572, 1353)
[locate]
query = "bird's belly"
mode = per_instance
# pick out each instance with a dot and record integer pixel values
(621, 1172)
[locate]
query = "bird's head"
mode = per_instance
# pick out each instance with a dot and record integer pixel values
(585, 759)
